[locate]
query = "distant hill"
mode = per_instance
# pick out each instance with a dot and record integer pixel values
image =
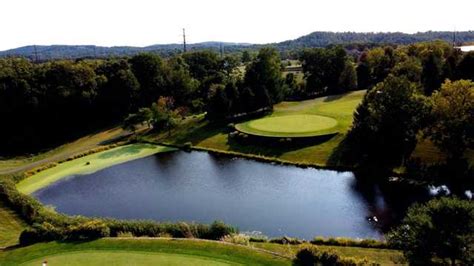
(315, 39)
(322, 38)
(47, 52)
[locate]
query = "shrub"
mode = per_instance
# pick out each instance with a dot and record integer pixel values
(239, 239)
(219, 229)
(311, 255)
(187, 146)
(87, 231)
(340, 241)
(40, 233)
(287, 240)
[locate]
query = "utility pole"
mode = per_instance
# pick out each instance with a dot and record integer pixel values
(222, 50)
(184, 40)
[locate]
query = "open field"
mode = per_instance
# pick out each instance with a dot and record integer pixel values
(89, 164)
(21, 164)
(136, 251)
(10, 226)
(289, 126)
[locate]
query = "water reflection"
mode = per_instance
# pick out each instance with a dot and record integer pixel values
(273, 199)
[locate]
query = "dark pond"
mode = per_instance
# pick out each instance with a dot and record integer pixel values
(272, 199)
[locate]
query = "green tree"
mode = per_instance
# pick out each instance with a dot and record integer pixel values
(133, 121)
(219, 105)
(264, 77)
(327, 70)
(381, 62)
(432, 72)
(452, 126)
(179, 83)
(440, 229)
(118, 90)
(386, 124)
(363, 73)
(465, 69)
(410, 68)
(164, 116)
(348, 77)
(246, 57)
(150, 72)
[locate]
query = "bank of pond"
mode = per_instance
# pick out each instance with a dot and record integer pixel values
(259, 198)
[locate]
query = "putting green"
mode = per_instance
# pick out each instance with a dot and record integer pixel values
(125, 258)
(304, 125)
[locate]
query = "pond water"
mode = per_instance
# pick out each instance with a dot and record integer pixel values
(272, 199)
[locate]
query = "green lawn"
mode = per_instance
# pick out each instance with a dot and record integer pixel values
(25, 163)
(381, 256)
(140, 252)
(303, 125)
(10, 226)
(207, 135)
(89, 164)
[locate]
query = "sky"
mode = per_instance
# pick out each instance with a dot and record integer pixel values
(148, 22)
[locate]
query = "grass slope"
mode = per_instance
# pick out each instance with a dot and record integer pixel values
(10, 226)
(213, 136)
(21, 164)
(289, 126)
(89, 164)
(381, 256)
(151, 251)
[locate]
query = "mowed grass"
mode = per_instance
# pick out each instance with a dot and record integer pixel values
(140, 252)
(10, 226)
(99, 258)
(89, 164)
(204, 134)
(303, 125)
(24, 163)
(381, 256)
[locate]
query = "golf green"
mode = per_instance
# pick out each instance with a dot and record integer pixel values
(304, 125)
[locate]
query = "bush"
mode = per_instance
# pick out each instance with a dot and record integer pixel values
(40, 233)
(187, 146)
(219, 229)
(87, 231)
(238, 239)
(287, 240)
(311, 255)
(348, 242)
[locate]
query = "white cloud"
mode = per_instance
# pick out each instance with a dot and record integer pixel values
(146, 22)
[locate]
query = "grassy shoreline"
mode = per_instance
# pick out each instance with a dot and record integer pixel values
(202, 134)
(89, 164)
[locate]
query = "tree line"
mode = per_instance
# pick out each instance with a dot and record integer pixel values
(44, 104)
(48, 103)
(421, 91)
